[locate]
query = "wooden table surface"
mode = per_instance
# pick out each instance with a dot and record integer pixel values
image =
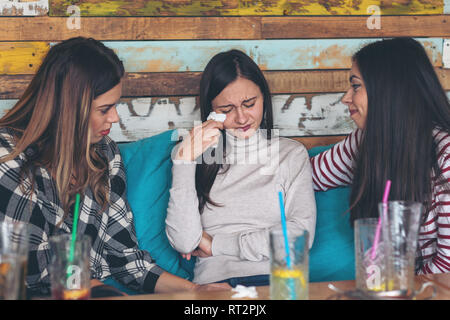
(317, 291)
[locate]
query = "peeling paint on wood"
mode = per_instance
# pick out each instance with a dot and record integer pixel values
(144, 117)
(446, 6)
(119, 136)
(23, 8)
(326, 116)
(5, 105)
(446, 54)
(178, 56)
(434, 50)
(181, 56)
(245, 7)
(293, 116)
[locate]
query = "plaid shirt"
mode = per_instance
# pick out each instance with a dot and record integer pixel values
(114, 244)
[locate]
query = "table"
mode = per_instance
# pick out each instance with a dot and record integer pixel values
(317, 291)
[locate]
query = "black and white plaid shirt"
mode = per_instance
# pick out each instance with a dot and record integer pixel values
(114, 244)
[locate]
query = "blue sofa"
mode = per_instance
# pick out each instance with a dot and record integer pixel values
(148, 167)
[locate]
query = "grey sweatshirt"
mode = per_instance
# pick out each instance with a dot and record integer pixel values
(248, 194)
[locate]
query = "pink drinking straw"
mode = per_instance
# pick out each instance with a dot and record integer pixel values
(378, 231)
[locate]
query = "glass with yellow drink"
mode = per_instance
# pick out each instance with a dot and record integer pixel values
(289, 267)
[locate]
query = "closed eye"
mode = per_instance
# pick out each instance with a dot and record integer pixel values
(249, 102)
(225, 109)
(105, 109)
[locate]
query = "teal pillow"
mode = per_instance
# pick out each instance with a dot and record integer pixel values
(149, 175)
(332, 255)
(148, 167)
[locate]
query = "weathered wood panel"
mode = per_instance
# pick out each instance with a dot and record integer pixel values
(187, 83)
(446, 53)
(176, 56)
(311, 115)
(444, 76)
(21, 57)
(446, 6)
(297, 115)
(5, 105)
(245, 7)
(356, 27)
(309, 142)
(23, 8)
(134, 28)
(220, 28)
(13, 86)
(180, 56)
(294, 115)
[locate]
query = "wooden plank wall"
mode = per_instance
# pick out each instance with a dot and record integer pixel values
(304, 48)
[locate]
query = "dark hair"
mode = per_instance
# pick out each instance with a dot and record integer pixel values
(406, 102)
(51, 119)
(221, 70)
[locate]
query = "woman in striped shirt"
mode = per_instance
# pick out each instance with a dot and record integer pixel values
(403, 120)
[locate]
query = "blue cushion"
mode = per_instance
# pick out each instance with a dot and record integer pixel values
(332, 256)
(148, 167)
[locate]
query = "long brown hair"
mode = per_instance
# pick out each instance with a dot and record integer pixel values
(221, 70)
(50, 122)
(406, 102)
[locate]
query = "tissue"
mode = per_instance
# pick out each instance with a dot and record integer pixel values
(244, 292)
(221, 117)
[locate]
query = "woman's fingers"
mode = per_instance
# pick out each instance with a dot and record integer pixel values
(212, 124)
(186, 256)
(200, 138)
(212, 142)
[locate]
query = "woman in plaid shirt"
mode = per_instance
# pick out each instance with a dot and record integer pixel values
(53, 145)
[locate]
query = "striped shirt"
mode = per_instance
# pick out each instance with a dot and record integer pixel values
(114, 250)
(334, 167)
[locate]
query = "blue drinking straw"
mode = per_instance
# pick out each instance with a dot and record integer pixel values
(283, 225)
(291, 282)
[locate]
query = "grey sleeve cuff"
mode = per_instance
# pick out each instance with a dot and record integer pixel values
(182, 173)
(225, 244)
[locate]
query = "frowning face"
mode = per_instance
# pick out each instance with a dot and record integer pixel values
(243, 103)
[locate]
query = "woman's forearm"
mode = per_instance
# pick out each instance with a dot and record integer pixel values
(168, 282)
